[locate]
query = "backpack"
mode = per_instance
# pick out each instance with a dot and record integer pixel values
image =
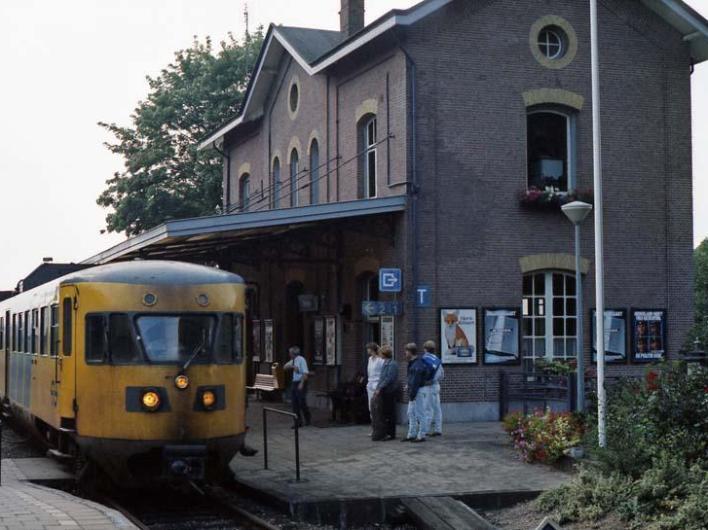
(432, 362)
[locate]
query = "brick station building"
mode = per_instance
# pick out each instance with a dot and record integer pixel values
(440, 140)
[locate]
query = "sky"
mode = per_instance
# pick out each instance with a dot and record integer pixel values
(67, 65)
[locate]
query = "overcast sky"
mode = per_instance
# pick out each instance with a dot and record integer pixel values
(68, 64)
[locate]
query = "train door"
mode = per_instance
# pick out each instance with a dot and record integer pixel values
(5, 355)
(64, 326)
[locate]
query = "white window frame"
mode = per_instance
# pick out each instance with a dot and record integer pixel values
(548, 316)
(570, 132)
(369, 153)
(548, 44)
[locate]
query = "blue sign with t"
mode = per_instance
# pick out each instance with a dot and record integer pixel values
(423, 296)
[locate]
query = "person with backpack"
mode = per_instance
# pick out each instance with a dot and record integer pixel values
(435, 364)
(418, 395)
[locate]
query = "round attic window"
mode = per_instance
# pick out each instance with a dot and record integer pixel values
(551, 42)
(294, 97)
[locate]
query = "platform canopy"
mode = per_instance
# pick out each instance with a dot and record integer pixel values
(205, 235)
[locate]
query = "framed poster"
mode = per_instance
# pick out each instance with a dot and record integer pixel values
(458, 335)
(256, 336)
(501, 335)
(615, 335)
(268, 341)
(387, 331)
(331, 340)
(648, 335)
(318, 332)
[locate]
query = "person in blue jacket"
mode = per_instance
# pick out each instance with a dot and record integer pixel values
(419, 381)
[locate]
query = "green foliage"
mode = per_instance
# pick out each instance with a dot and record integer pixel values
(165, 177)
(700, 266)
(543, 437)
(654, 471)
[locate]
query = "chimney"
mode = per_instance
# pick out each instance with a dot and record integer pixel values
(351, 17)
(47, 260)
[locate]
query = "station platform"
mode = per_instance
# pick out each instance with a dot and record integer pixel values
(25, 505)
(347, 477)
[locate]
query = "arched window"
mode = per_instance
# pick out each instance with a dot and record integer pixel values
(367, 165)
(244, 191)
(551, 149)
(549, 310)
(277, 185)
(314, 172)
(294, 170)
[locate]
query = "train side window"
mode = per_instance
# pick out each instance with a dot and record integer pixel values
(95, 338)
(14, 332)
(26, 339)
(43, 328)
(67, 326)
(2, 333)
(35, 331)
(53, 329)
(123, 348)
(229, 342)
(20, 333)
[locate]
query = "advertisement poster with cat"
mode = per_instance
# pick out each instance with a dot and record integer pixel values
(458, 335)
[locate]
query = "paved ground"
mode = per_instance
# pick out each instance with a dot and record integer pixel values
(26, 506)
(343, 463)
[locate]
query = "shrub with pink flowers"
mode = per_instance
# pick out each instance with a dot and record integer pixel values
(544, 436)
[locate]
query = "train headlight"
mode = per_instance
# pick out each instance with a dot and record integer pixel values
(151, 400)
(208, 399)
(182, 382)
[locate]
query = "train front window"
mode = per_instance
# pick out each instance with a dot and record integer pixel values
(176, 338)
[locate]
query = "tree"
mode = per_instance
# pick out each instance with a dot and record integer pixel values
(700, 265)
(165, 177)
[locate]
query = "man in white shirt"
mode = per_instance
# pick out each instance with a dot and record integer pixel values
(298, 392)
(373, 372)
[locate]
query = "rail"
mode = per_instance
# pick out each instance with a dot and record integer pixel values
(266, 410)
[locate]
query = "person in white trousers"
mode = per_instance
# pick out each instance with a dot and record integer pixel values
(436, 421)
(418, 395)
(373, 372)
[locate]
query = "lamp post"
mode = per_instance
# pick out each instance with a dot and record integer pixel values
(576, 212)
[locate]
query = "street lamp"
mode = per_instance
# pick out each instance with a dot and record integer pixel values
(577, 211)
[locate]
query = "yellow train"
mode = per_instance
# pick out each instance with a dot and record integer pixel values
(136, 367)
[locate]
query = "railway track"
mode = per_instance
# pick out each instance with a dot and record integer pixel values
(207, 509)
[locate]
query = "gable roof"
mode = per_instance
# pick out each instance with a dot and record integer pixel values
(315, 50)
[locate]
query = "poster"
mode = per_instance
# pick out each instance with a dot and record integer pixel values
(331, 340)
(648, 335)
(268, 341)
(501, 336)
(458, 335)
(387, 331)
(319, 346)
(615, 335)
(256, 336)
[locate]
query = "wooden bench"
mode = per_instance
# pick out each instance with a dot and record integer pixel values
(264, 383)
(444, 513)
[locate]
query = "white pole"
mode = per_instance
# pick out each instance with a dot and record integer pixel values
(599, 255)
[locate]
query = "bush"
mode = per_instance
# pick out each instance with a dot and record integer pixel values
(654, 471)
(543, 437)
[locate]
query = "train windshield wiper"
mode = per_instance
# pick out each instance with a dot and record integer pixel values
(197, 351)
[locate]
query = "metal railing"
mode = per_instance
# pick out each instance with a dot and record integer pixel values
(266, 410)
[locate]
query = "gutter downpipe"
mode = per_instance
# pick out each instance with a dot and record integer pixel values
(413, 192)
(227, 197)
(599, 235)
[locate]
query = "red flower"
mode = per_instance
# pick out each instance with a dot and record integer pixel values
(652, 378)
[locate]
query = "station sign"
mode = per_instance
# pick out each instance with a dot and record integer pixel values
(390, 280)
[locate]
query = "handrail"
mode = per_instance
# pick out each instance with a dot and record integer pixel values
(297, 438)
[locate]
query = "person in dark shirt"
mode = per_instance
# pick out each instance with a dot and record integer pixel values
(419, 379)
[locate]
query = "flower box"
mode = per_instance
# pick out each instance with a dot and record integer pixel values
(550, 198)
